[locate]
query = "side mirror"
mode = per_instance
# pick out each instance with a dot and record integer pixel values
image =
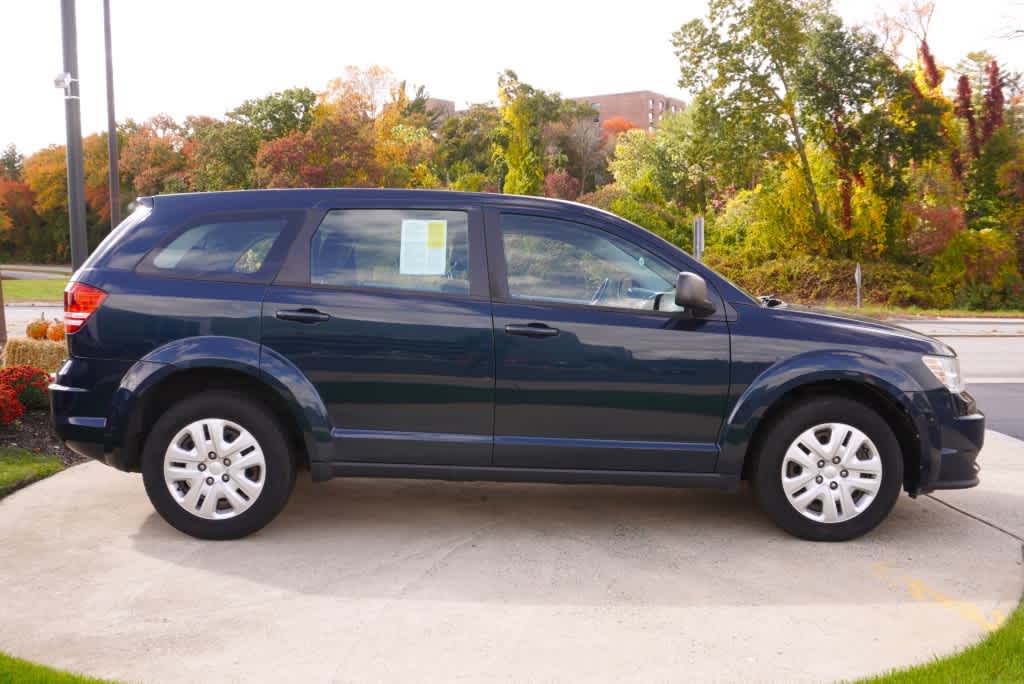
(692, 294)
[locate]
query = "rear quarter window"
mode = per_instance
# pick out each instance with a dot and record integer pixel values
(224, 248)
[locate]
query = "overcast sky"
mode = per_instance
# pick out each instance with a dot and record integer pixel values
(206, 56)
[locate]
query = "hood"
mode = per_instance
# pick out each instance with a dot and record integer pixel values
(872, 331)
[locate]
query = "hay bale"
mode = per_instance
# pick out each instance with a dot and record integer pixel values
(45, 354)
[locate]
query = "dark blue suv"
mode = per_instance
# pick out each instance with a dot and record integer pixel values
(220, 342)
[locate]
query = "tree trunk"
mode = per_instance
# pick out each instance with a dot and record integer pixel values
(806, 165)
(846, 200)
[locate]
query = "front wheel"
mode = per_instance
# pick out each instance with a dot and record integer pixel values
(829, 469)
(218, 466)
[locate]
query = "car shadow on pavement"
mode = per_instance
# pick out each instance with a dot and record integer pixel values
(525, 543)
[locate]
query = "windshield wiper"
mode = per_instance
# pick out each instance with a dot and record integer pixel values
(771, 301)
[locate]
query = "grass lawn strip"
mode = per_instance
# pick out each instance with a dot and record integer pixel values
(19, 467)
(999, 658)
(18, 671)
(34, 290)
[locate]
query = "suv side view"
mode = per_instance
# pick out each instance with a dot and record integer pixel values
(221, 342)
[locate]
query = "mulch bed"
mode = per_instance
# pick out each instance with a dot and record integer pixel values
(32, 432)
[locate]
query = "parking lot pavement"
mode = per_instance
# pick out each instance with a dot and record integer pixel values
(998, 500)
(378, 580)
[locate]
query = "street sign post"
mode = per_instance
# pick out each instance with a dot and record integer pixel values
(68, 80)
(857, 279)
(698, 237)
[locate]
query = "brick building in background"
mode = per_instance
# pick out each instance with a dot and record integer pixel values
(445, 109)
(644, 108)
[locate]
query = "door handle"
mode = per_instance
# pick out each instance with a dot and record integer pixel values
(531, 330)
(302, 315)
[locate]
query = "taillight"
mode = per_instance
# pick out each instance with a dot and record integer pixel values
(80, 300)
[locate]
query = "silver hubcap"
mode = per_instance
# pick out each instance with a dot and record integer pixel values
(214, 468)
(831, 473)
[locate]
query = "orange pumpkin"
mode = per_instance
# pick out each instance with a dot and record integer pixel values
(37, 329)
(55, 331)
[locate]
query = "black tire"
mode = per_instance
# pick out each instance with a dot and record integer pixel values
(254, 417)
(767, 473)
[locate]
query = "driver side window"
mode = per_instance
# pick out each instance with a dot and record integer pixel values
(553, 260)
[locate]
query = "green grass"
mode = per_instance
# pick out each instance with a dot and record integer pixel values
(34, 290)
(999, 658)
(16, 670)
(19, 467)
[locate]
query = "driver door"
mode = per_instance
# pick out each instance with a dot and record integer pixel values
(588, 374)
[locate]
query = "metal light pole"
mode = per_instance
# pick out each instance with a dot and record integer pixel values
(115, 179)
(73, 115)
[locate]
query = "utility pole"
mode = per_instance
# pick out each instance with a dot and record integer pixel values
(115, 178)
(73, 116)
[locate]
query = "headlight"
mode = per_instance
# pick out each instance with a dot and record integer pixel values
(946, 370)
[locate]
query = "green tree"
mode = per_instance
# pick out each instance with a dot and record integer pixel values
(519, 145)
(222, 155)
(465, 145)
(278, 114)
(11, 163)
(525, 134)
(743, 58)
(863, 109)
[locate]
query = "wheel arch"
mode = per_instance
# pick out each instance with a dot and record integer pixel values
(194, 365)
(892, 394)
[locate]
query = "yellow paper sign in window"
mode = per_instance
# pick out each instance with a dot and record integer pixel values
(436, 234)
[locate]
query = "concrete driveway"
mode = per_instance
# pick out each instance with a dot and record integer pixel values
(374, 580)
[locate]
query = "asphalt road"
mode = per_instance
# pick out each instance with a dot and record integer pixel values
(34, 272)
(1003, 406)
(991, 355)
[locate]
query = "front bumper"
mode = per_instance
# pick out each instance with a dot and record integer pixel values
(958, 436)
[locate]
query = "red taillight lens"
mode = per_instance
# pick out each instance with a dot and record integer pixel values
(80, 301)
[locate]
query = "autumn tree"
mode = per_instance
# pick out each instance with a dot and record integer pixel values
(18, 219)
(403, 144)
(151, 156)
(336, 151)
(364, 89)
(993, 104)
(46, 177)
(964, 108)
(616, 126)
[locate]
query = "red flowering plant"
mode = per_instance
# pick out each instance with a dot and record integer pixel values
(29, 385)
(10, 408)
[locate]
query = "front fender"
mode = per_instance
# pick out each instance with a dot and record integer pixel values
(806, 369)
(225, 353)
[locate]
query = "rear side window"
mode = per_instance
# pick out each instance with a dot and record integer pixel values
(229, 248)
(404, 249)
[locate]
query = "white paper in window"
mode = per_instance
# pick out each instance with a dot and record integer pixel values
(424, 247)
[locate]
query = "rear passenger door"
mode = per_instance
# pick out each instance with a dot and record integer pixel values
(386, 311)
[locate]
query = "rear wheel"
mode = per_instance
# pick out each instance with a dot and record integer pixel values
(218, 466)
(829, 469)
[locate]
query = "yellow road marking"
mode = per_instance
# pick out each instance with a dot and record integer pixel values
(920, 591)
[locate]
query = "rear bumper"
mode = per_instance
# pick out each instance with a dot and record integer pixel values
(79, 416)
(961, 435)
